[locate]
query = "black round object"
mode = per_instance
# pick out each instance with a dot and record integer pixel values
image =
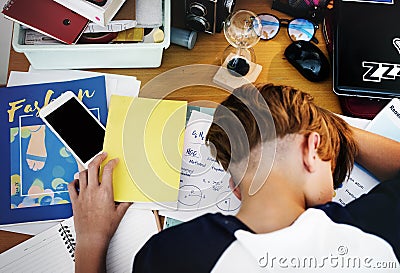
(197, 23)
(238, 66)
(198, 9)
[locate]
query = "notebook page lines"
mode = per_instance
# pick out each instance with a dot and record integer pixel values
(135, 229)
(43, 253)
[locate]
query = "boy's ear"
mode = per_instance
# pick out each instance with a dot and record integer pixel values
(235, 189)
(310, 154)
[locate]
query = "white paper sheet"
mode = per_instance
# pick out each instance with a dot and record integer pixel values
(115, 84)
(204, 186)
(47, 252)
(5, 44)
(386, 123)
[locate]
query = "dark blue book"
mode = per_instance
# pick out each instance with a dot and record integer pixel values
(36, 167)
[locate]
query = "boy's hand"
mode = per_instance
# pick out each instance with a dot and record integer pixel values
(96, 216)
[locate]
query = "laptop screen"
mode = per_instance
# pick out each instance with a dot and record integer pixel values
(367, 48)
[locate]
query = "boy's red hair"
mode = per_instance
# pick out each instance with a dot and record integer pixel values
(292, 112)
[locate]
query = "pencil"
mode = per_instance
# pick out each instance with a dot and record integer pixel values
(157, 220)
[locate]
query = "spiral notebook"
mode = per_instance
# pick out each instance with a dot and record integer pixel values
(47, 17)
(53, 250)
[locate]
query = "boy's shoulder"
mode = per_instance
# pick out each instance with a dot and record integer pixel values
(194, 246)
(377, 212)
(197, 245)
(311, 243)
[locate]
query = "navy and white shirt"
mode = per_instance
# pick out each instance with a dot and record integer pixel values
(363, 236)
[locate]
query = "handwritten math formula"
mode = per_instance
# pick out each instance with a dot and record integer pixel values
(204, 185)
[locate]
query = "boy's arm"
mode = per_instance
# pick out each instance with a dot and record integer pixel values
(378, 211)
(378, 154)
(96, 216)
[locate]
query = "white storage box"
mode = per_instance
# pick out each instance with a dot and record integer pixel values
(81, 56)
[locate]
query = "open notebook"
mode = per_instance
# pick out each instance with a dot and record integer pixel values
(53, 249)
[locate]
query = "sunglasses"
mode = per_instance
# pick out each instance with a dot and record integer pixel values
(299, 29)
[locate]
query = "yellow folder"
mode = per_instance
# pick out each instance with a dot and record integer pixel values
(147, 136)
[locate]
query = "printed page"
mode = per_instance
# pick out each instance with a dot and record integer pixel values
(204, 185)
(386, 123)
(360, 180)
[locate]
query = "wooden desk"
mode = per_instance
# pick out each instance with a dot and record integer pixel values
(208, 50)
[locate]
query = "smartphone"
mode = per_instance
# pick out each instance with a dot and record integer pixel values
(76, 127)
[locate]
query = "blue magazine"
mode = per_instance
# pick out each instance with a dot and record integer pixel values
(36, 167)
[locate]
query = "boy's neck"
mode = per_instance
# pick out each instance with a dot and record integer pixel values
(274, 207)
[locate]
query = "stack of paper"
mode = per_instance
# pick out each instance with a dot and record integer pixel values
(115, 84)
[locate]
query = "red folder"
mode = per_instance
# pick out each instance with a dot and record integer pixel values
(47, 17)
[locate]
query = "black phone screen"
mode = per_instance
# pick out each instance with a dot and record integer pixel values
(78, 129)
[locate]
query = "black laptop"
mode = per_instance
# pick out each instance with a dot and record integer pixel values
(367, 48)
